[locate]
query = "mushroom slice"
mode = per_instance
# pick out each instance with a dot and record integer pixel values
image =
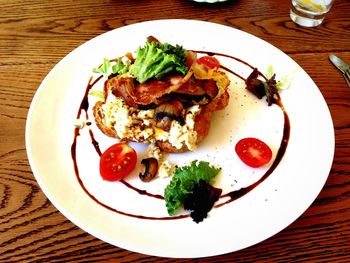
(167, 112)
(151, 169)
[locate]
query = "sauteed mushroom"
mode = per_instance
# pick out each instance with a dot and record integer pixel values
(167, 112)
(151, 169)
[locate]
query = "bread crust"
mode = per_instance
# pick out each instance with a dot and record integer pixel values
(100, 120)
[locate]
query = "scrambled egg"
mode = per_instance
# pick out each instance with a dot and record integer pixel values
(139, 125)
(165, 169)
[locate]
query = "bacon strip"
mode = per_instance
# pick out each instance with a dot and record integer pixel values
(135, 94)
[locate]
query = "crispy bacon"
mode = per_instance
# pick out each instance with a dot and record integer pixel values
(123, 87)
(191, 87)
(135, 94)
(148, 92)
(190, 58)
(210, 88)
(187, 89)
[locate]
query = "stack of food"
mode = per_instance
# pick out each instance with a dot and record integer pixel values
(164, 95)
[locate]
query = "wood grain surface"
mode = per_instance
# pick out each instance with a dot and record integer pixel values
(35, 35)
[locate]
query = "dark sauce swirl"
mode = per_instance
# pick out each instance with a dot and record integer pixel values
(231, 196)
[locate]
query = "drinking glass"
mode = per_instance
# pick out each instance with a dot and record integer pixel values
(309, 13)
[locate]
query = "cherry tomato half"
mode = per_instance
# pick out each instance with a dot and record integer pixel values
(117, 162)
(209, 62)
(253, 152)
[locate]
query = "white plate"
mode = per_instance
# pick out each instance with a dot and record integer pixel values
(263, 212)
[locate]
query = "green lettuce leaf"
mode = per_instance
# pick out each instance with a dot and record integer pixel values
(155, 60)
(185, 180)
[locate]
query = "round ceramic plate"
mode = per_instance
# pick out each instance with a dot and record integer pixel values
(125, 218)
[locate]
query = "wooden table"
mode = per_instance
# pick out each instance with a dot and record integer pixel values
(35, 35)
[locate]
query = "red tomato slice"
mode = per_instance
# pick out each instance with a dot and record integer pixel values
(253, 152)
(209, 62)
(117, 162)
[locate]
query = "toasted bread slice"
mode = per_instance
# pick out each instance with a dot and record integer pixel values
(202, 123)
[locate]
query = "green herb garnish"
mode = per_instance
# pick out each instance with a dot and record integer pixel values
(282, 83)
(109, 68)
(98, 94)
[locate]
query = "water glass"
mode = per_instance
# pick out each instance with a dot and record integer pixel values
(309, 13)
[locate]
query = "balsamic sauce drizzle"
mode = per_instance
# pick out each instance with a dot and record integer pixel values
(232, 196)
(141, 192)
